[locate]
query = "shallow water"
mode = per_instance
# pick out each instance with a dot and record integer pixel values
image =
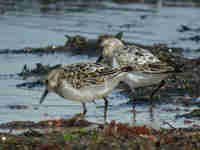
(36, 24)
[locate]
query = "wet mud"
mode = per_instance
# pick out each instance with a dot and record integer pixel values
(74, 134)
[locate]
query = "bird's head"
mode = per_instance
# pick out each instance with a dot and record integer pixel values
(52, 82)
(109, 46)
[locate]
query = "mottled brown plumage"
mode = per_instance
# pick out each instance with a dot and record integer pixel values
(84, 82)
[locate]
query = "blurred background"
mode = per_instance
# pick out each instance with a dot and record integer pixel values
(38, 23)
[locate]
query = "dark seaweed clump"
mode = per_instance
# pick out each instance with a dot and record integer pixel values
(66, 135)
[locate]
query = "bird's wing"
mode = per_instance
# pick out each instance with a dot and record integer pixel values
(141, 60)
(86, 74)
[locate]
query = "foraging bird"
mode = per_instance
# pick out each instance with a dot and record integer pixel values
(147, 68)
(84, 82)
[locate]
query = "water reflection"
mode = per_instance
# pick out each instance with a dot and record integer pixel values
(46, 6)
(146, 22)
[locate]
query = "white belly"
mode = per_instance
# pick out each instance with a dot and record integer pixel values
(87, 94)
(139, 79)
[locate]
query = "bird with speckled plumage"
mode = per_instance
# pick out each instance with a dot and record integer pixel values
(148, 69)
(84, 82)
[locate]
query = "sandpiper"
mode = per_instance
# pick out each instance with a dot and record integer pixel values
(148, 69)
(84, 82)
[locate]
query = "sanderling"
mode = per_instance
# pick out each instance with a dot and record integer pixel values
(148, 69)
(84, 82)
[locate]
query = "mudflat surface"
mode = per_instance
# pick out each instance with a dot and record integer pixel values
(37, 24)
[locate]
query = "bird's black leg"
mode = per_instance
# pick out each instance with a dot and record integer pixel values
(105, 108)
(84, 108)
(134, 111)
(161, 84)
(134, 103)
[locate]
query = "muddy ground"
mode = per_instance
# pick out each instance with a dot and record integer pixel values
(75, 134)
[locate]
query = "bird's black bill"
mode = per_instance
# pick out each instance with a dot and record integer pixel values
(99, 59)
(43, 96)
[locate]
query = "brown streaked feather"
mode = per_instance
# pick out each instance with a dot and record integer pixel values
(141, 60)
(84, 74)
